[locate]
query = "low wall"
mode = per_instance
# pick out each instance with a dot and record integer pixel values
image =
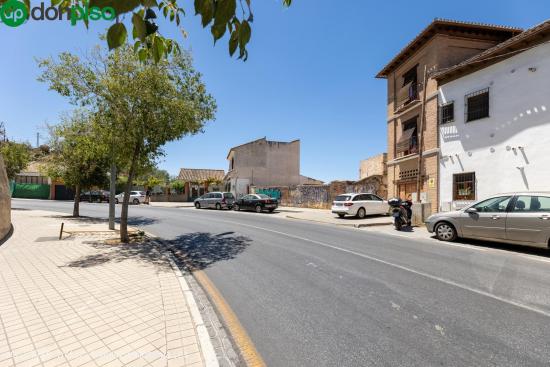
(169, 198)
(318, 196)
(5, 202)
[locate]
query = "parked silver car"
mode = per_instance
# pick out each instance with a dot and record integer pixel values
(217, 200)
(519, 218)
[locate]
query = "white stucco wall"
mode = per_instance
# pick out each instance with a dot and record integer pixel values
(510, 150)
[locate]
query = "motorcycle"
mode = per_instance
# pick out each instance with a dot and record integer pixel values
(401, 212)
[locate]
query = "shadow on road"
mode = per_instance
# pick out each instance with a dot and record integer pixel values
(353, 217)
(200, 250)
(543, 252)
(196, 251)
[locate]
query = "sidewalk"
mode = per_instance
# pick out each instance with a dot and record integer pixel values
(326, 216)
(166, 204)
(83, 302)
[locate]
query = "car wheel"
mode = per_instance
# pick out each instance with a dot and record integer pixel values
(341, 215)
(135, 201)
(271, 210)
(218, 206)
(445, 232)
(197, 205)
(258, 208)
(116, 201)
(236, 207)
(361, 213)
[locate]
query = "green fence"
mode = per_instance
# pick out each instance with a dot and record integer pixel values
(30, 191)
(12, 187)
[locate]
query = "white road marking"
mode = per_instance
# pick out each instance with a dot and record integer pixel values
(405, 268)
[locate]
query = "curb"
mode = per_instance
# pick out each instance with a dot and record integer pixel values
(207, 348)
(8, 235)
(342, 224)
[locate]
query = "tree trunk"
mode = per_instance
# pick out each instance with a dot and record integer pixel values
(124, 212)
(76, 207)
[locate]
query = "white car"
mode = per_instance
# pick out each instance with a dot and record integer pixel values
(136, 197)
(359, 205)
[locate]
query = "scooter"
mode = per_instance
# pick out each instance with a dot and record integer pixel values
(400, 213)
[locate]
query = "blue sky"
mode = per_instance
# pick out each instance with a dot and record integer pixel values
(310, 76)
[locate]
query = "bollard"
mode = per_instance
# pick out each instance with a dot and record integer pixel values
(61, 231)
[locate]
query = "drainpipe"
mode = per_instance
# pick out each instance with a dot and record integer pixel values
(421, 137)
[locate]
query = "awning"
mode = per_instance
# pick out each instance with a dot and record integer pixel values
(404, 143)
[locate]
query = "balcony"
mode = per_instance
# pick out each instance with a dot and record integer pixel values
(406, 95)
(407, 144)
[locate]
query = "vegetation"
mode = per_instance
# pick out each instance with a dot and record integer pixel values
(178, 185)
(77, 157)
(220, 16)
(16, 157)
(140, 104)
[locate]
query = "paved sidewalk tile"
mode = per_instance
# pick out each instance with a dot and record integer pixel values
(81, 302)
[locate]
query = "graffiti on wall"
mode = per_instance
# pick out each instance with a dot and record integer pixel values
(274, 193)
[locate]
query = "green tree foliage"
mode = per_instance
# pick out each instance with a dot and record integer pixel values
(16, 157)
(76, 155)
(178, 185)
(143, 104)
(137, 19)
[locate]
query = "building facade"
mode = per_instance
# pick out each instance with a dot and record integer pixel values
(412, 107)
(198, 181)
(263, 163)
(495, 121)
(373, 166)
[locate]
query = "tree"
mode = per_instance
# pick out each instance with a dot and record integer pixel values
(178, 185)
(16, 157)
(221, 16)
(77, 157)
(146, 104)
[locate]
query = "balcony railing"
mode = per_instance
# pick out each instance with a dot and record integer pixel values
(406, 95)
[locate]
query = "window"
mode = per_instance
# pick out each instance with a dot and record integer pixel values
(464, 185)
(342, 198)
(410, 76)
(375, 198)
(447, 112)
(493, 205)
(408, 143)
(362, 197)
(477, 105)
(532, 204)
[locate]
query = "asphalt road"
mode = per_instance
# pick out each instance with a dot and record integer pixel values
(316, 295)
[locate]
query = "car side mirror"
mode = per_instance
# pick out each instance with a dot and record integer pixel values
(471, 210)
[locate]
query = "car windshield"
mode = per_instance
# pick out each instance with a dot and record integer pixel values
(263, 196)
(342, 198)
(229, 195)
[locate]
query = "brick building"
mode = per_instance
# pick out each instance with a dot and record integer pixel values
(443, 44)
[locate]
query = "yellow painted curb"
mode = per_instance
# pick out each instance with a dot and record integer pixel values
(248, 351)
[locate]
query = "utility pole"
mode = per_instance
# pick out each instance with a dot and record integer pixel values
(112, 184)
(37, 140)
(112, 188)
(421, 135)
